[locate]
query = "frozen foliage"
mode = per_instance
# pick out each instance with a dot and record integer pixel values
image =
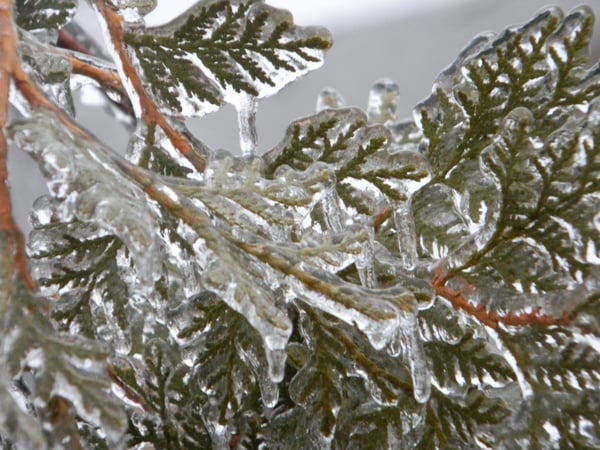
(369, 282)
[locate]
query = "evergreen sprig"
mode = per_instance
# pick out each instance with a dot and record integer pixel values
(356, 151)
(249, 303)
(240, 47)
(37, 15)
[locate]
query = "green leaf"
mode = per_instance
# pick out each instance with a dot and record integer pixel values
(335, 355)
(36, 15)
(61, 369)
(169, 414)
(371, 427)
(546, 236)
(466, 114)
(358, 153)
(460, 422)
(229, 364)
(221, 49)
(467, 363)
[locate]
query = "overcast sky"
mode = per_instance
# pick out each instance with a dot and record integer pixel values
(337, 15)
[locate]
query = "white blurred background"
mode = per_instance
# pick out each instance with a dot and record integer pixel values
(409, 41)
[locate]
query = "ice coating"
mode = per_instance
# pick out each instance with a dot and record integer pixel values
(365, 263)
(407, 237)
(257, 304)
(411, 343)
(374, 312)
(247, 123)
(133, 11)
(383, 99)
(235, 50)
(81, 176)
(329, 98)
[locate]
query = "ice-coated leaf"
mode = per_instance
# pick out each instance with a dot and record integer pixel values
(368, 172)
(36, 15)
(17, 425)
(467, 363)
(168, 411)
(461, 422)
(555, 420)
(471, 100)
(80, 176)
(92, 305)
(228, 362)
(223, 51)
(51, 71)
(59, 368)
(546, 235)
(334, 354)
(370, 427)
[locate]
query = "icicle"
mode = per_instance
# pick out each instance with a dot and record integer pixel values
(366, 260)
(257, 304)
(331, 209)
(408, 342)
(269, 388)
(406, 234)
(382, 101)
(372, 311)
(329, 99)
(246, 109)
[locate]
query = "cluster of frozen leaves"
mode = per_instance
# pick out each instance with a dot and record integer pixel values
(288, 300)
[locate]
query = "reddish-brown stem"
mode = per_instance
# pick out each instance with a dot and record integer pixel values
(8, 61)
(490, 318)
(129, 392)
(150, 111)
(67, 41)
(108, 79)
(380, 218)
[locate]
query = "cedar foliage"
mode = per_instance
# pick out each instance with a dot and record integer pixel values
(368, 283)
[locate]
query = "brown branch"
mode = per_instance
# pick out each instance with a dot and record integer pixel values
(130, 393)
(490, 318)
(106, 78)
(8, 226)
(150, 112)
(380, 218)
(67, 41)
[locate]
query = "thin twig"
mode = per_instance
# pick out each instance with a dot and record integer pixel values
(129, 392)
(8, 61)
(149, 110)
(490, 318)
(108, 79)
(380, 218)
(67, 41)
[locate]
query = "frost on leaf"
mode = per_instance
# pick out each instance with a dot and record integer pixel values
(35, 15)
(514, 193)
(223, 51)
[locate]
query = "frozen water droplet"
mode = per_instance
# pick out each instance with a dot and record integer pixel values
(409, 343)
(406, 234)
(365, 263)
(382, 101)
(276, 358)
(246, 109)
(332, 211)
(134, 10)
(329, 98)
